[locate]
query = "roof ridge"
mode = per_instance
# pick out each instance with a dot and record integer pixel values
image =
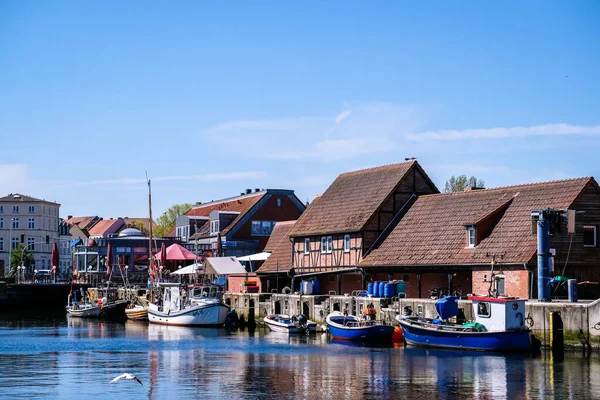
(239, 197)
(379, 167)
(522, 185)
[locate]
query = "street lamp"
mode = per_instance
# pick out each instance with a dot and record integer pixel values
(10, 244)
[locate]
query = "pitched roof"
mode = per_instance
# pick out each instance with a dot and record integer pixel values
(14, 197)
(82, 222)
(351, 200)
(280, 259)
(102, 226)
(433, 231)
(241, 204)
(280, 232)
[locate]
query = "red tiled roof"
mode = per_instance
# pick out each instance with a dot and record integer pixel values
(280, 232)
(351, 200)
(433, 231)
(82, 222)
(101, 226)
(241, 204)
(280, 259)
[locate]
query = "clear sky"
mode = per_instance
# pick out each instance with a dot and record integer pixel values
(213, 99)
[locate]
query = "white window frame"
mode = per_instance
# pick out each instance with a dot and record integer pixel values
(31, 209)
(1, 223)
(323, 244)
(1, 209)
(31, 244)
(595, 235)
(471, 243)
(15, 223)
(15, 209)
(1, 244)
(14, 241)
(279, 202)
(306, 246)
(329, 244)
(214, 227)
(346, 243)
(31, 223)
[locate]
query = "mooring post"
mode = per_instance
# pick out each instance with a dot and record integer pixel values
(557, 339)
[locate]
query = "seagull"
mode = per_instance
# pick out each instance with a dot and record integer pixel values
(127, 376)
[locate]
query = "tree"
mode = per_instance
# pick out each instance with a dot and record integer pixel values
(167, 221)
(20, 257)
(461, 182)
(141, 226)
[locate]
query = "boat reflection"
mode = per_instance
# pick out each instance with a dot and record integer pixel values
(171, 332)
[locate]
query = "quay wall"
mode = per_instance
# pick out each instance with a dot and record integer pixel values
(578, 318)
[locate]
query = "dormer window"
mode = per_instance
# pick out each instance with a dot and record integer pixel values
(472, 238)
(214, 227)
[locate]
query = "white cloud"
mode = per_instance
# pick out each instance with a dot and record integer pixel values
(494, 133)
(374, 128)
(14, 178)
(210, 177)
(342, 116)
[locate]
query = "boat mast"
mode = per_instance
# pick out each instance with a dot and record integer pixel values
(150, 253)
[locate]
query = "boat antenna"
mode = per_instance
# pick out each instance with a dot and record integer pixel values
(151, 255)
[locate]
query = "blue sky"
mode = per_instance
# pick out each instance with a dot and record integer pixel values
(213, 99)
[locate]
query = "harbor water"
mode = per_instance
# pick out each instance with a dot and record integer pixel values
(70, 358)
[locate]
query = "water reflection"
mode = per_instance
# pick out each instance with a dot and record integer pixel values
(76, 358)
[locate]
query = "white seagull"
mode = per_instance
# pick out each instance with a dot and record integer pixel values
(127, 376)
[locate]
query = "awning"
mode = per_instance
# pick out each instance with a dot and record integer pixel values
(255, 257)
(75, 242)
(223, 266)
(189, 270)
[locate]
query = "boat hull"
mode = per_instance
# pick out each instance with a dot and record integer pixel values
(115, 309)
(202, 315)
(137, 313)
(281, 327)
(89, 312)
(379, 333)
(508, 341)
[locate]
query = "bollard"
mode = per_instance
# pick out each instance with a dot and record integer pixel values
(557, 340)
(572, 290)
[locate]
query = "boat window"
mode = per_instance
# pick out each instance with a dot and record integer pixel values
(483, 309)
(213, 292)
(197, 292)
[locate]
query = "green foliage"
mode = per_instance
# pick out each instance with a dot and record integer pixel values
(141, 226)
(16, 259)
(167, 221)
(461, 182)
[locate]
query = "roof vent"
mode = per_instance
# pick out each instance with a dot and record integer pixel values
(17, 196)
(470, 188)
(248, 191)
(256, 190)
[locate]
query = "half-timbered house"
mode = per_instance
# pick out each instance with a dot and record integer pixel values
(352, 217)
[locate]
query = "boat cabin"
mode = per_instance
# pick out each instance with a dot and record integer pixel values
(499, 313)
(176, 297)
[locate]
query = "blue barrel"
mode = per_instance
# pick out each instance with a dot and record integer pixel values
(400, 288)
(316, 287)
(572, 289)
(381, 291)
(376, 289)
(302, 287)
(370, 288)
(389, 290)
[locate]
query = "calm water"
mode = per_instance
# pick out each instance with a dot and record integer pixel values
(76, 358)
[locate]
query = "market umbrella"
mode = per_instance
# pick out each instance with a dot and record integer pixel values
(109, 257)
(54, 259)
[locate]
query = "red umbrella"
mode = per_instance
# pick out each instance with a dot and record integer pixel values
(109, 257)
(54, 258)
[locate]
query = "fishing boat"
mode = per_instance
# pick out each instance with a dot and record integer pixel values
(499, 326)
(351, 327)
(286, 324)
(192, 305)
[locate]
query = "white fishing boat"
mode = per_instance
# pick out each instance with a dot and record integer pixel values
(195, 305)
(286, 324)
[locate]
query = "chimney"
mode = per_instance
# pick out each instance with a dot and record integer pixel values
(248, 191)
(471, 188)
(69, 216)
(256, 190)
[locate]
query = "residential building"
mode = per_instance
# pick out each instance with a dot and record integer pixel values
(241, 224)
(64, 247)
(353, 216)
(103, 228)
(33, 223)
(273, 272)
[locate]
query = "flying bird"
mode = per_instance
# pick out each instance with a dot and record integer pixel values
(127, 376)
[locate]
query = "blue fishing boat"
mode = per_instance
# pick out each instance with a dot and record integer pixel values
(351, 327)
(499, 326)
